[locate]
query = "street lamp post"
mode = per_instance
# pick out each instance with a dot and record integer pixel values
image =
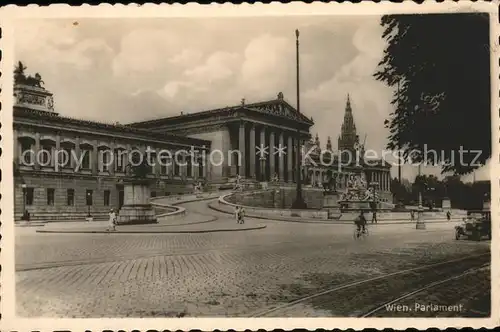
(299, 202)
(88, 205)
(420, 219)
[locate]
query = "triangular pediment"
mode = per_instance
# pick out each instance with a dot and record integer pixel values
(279, 108)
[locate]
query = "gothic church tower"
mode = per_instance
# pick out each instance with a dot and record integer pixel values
(348, 137)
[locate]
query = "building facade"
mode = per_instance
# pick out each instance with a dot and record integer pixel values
(256, 130)
(68, 168)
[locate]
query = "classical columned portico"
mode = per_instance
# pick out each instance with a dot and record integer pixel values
(266, 151)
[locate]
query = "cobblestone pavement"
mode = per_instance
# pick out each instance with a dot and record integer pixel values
(211, 274)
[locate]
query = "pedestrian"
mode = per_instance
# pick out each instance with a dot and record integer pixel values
(237, 213)
(412, 215)
(448, 215)
(242, 215)
(112, 220)
(374, 216)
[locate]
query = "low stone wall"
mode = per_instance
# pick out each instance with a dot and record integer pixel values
(277, 198)
(225, 204)
(248, 200)
(404, 215)
(181, 199)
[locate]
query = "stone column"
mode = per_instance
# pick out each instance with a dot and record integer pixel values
(281, 157)
(58, 148)
(111, 154)
(252, 151)
(76, 158)
(37, 150)
(94, 159)
(194, 166)
(289, 154)
(262, 164)
(205, 162)
(241, 147)
(272, 145)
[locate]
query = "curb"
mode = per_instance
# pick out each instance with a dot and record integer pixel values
(324, 222)
(30, 225)
(150, 232)
(211, 219)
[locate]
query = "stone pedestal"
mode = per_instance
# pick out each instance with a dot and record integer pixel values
(446, 205)
(137, 208)
(330, 204)
(420, 219)
(355, 205)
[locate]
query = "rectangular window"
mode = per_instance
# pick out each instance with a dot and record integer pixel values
(26, 153)
(30, 194)
(177, 169)
(50, 196)
(189, 167)
(88, 196)
(105, 161)
(107, 195)
(65, 158)
(152, 160)
(46, 156)
(120, 157)
(86, 159)
(70, 197)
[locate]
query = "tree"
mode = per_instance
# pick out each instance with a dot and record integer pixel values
(442, 64)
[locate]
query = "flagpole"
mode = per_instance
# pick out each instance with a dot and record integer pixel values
(299, 202)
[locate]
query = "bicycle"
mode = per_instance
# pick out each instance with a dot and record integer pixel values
(358, 234)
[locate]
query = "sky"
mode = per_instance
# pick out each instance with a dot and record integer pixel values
(125, 70)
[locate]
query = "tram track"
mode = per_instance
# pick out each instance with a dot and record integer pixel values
(357, 299)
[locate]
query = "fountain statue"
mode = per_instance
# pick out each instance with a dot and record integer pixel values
(358, 194)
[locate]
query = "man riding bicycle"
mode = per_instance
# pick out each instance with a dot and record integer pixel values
(360, 222)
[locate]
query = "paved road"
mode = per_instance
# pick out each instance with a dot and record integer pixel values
(214, 274)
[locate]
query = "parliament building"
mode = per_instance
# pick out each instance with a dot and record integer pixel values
(52, 187)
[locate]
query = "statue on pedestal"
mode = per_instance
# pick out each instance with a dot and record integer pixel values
(137, 208)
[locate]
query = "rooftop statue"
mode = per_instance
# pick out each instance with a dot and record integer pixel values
(21, 78)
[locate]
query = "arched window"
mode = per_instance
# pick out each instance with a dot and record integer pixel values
(26, 152)
(66, 154)
(86, 156)
(120, 156)
(189, 166)
(46, 153)
(105, 158)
